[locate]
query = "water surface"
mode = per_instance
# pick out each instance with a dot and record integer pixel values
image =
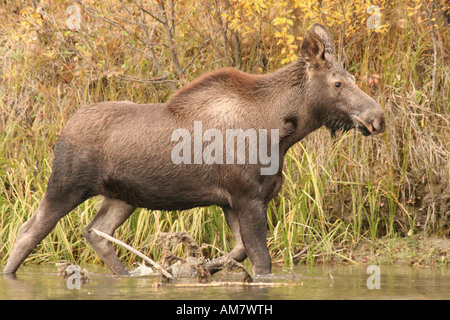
(318, 282)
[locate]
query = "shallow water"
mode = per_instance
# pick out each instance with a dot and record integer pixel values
(318, 282)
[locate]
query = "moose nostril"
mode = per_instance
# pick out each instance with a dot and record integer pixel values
(373, 124)
(378, 125)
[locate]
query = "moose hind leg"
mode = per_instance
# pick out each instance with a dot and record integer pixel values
(238, 253)
(110, 216)
(51, 209)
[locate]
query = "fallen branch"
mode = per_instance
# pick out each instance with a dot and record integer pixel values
(131, 249)
(203, 268)
(230, 264)
(192, 247)
(194, 264)
(237, 284)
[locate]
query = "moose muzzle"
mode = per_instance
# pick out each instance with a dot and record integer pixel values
(370, 121)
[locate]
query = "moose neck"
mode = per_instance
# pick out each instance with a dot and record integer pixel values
(286, 91)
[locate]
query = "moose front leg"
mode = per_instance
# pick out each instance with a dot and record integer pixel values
(252, 216)
(248, 223)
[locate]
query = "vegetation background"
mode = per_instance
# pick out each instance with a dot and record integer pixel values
(385, 194)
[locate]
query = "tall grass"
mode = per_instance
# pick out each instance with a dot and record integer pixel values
(337, 193)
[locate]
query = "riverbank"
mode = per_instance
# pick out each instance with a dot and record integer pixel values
(414, 251)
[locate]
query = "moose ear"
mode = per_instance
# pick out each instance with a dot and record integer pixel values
(317, 45)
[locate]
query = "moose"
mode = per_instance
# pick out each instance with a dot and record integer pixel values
(123, 151)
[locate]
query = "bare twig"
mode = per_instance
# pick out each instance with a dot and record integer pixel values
(131, 249)
(433, 37)
(146, 80)
(150, 35)
(172, 48)
(198, 53)
(235, 42)
(223, 25)
(304, 250)
(341, 54)
(141, 7)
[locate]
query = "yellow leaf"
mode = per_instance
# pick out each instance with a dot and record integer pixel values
(278, 21)
(26, 11)
(290, 39)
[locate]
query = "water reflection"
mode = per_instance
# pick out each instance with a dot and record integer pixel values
(318, 282)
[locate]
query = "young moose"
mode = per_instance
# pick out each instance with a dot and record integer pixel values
(122, 151)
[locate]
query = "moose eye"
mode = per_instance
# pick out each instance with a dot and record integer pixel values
(337, 84)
